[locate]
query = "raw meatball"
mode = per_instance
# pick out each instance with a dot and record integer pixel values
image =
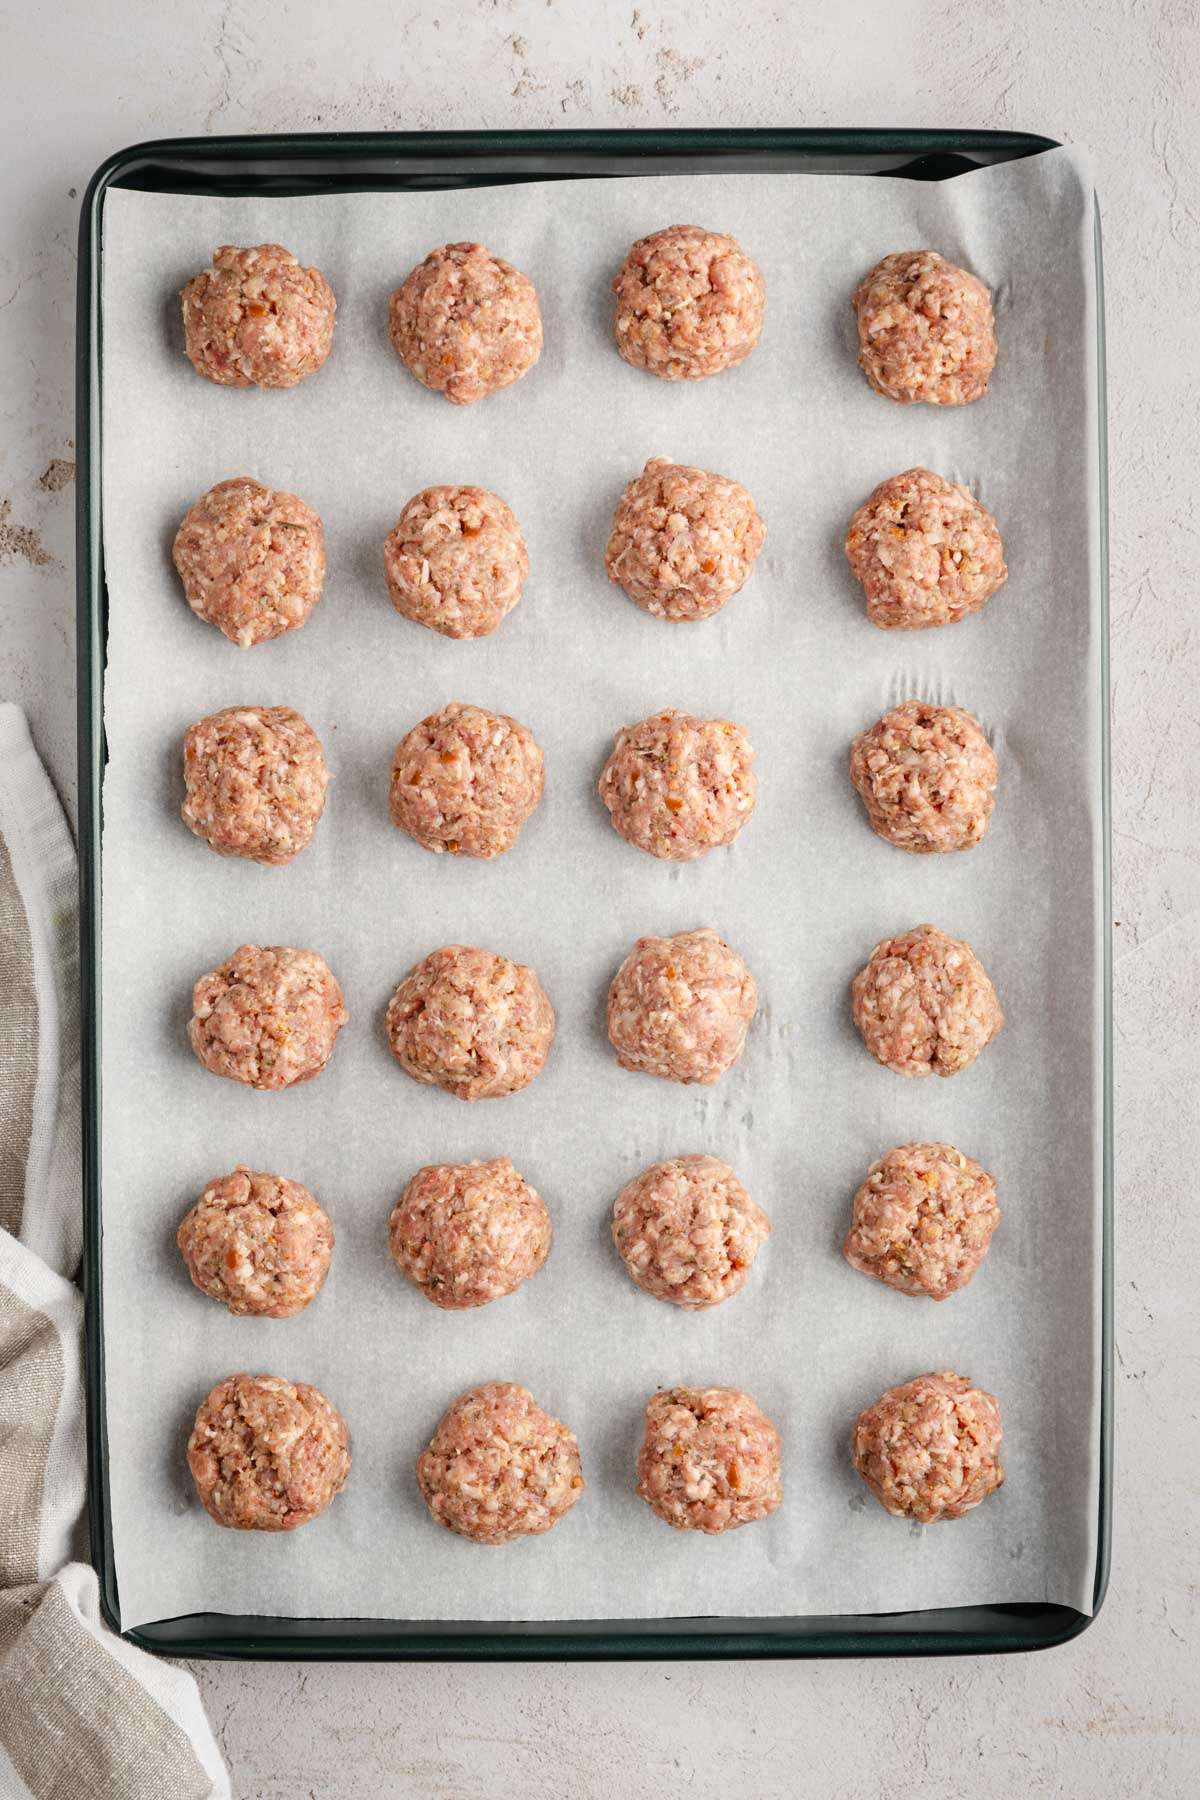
(689, 303)
(926, 775)
(467, 1233)
(688, 1231)
(925, 552)
(930, 1450)
(679, 786)
(456, 561)
(252, 561)
(498, 1467)
(709, 1460)
(465, 780)
(466, 323)
(683, 541)
(680, 1007)
(923, 1219)
(257, 319)
(266, 1454)
(268, 1017)
(471, 1022)
(924, 1003)
(258, 1243)
(255, 778)
(925, 330)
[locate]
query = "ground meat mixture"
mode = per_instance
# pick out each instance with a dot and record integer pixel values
(677, 786)
(683, 541)
(930, 1450)
(467, 1233)
(923, 1219)
(252, 561)
(465, 781)
(258, 1243)
(470, 1022)
(924, 1003)
(926, 775)
(681, 1006)
(498, 1467)
(255, 780)
(466, 323)
(689, 303)
(456, 561)
(267, 1454)
(267, 1017)
(257, 319)
(925, 330)
(709, 1460)
(925, 552)
(688, 1231)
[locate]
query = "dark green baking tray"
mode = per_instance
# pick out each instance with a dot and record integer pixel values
(353, 162)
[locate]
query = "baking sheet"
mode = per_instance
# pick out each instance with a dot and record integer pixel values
(804, 895)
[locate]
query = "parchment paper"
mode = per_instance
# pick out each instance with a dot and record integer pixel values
(804, 895)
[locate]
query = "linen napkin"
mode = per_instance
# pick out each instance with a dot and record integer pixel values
(82, 1712)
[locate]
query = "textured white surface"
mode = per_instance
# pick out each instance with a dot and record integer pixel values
(1117, 1711)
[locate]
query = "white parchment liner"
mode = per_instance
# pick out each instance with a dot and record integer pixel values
(804, 895)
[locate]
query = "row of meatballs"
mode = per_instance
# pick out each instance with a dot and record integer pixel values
(267, 1454)
(683, 542)
(687, 1231)
(926, 553)
(479, 1026)
(689, 304)
(464, 781)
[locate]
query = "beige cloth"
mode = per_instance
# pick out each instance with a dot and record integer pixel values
(83, 1714)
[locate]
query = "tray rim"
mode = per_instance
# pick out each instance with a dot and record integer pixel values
(382, 158)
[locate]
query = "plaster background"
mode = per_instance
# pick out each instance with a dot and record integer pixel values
(1117, 1711)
